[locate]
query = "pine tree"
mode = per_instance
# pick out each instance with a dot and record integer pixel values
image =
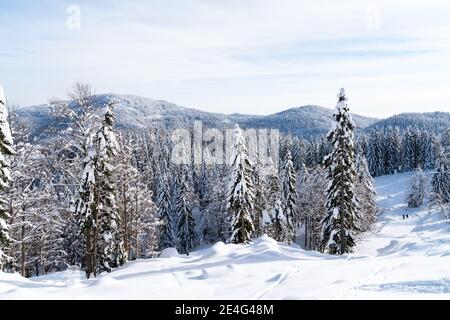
(273, 218)
(375, 155)
(429, 150)
(166, 232)
(110, 250)
(440, 183)
(96, 206)
(417, 190)
(365, 193)
(392, 151)
(289, 195)
(361, 144)
(83, 210)
(240, 198)
(342, 217)
(187, 237)
(6, 149)
(260, 202)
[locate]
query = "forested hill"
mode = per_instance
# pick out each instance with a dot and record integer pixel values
(138, 113)
(435, 121)
(135, 112)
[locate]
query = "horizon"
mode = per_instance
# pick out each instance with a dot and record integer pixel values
(229, 57)
(239, 113)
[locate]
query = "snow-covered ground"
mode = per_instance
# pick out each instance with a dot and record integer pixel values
(397, 259)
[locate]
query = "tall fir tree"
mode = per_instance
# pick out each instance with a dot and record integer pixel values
(240, 198)
(342, 218)
(392, 151)
(440, 182)
(273, 218)
(417, 189)
(187, 236)
(6, 149)
(110, 250)
(375, 156)
(289, 196)
(96, 206)
(166, 227)
(365, 193)
(260, 197)
(429, 150)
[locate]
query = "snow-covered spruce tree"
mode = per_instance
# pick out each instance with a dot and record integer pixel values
(186, 231)
(273, 218)
(240, 197)
(365, 193)
(260, 202)
(342, 218)
(84, 210)
(429, 150)
(75, 150)
(440, 183)
(110, 250)
(392, 152)
(412, 150)
(96, 206)
(417, 188)
(375, 154)
(298, 155)
(289, 195)
(166, 226)
(6, 149)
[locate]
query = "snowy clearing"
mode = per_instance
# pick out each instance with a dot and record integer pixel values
(397, 259)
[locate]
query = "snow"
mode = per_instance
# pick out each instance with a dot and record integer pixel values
(2, 96)
(397, 259)
(169, 253)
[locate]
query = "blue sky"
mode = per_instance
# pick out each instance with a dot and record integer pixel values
(253, 56)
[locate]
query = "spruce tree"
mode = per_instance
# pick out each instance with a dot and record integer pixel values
(341, 219)
(375, 156)
(240, 198)
(429, 151)
(365, 193)
(187, 237)
(96, 206)
(440, 183)
(166, 232)
(417, 189)
(289, 195)
(273, 218)
(392, 151)
(110, 250)
(6, 149)
(84, 211)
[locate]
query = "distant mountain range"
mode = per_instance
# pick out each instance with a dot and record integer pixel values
(133, 112)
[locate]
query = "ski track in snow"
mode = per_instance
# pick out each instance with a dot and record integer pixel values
(396, 259)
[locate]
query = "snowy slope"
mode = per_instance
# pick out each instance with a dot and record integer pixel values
(397, 259)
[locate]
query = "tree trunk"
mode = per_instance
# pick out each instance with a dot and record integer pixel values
(22, 249)
(89, 270)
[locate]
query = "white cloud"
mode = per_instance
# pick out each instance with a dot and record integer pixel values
(236, 56)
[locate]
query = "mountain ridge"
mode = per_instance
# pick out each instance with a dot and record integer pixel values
(135, 112)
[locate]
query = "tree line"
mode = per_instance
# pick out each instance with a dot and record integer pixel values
(95, 197)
